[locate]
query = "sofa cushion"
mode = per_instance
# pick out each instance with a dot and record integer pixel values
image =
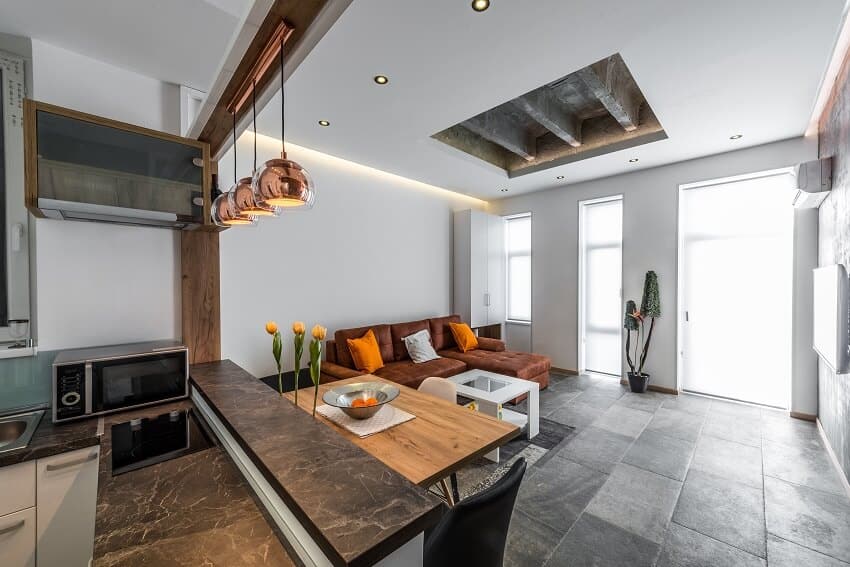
(407, 373)
(366, 353)
(382, 335)
(400, 330)
(520, 364)
(441, 335)
(419, 347)
(465, 339)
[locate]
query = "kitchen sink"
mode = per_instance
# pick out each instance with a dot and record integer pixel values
(16, 430)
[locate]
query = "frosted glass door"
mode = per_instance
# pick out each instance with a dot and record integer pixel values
(602, 272)
(736, 268)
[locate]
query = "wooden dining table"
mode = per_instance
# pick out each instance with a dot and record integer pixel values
(438, 442)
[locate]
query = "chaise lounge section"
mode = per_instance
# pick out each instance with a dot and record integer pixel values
(490, 355)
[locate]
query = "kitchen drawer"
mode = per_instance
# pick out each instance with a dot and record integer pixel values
(17, 488)
(17, 538)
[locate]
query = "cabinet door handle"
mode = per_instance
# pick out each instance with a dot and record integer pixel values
(16, 526)
(75, 462)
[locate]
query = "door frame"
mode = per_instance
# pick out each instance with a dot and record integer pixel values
(581, 268)
(681, 328)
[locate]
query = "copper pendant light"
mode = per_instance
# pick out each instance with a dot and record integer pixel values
(226, 208)
(283, 182)
(243, 191)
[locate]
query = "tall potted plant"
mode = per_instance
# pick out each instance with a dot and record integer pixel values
(636, 321)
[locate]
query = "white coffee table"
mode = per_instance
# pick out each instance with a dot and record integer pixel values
(491, 390)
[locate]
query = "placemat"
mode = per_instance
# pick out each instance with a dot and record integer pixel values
(386, 417)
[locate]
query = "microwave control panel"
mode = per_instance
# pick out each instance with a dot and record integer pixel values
(69, 397)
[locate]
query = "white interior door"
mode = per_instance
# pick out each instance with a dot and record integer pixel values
(601, 283)
(736, 268)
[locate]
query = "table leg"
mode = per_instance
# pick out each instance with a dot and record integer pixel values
(533, 412)
(492, 410)
(447, 492)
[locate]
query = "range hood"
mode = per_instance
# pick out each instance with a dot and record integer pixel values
(72, 210)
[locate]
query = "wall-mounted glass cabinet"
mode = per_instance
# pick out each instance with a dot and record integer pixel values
(83, 167)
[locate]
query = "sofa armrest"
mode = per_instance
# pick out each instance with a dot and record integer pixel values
(338, 372)
(494, 345)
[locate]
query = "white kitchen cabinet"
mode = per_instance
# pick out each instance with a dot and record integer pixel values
(17, 538)
(479, 268)
(17, 487)
(66, 485)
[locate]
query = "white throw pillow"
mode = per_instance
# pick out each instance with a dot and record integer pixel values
(419, 346)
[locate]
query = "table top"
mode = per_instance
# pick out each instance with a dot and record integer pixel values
(508, 387)
(443, 438)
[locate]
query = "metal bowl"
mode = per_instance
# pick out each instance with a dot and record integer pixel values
(343, 396)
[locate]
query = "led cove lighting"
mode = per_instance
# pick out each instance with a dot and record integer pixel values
(381, 79)
(480, 5)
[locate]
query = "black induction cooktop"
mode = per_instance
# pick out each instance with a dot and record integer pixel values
(144, 442)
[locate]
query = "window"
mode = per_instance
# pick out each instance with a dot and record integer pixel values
(518, 251)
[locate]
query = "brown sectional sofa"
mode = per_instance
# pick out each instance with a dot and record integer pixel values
(490, 355)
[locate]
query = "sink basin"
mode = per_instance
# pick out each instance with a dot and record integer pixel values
(16, 430)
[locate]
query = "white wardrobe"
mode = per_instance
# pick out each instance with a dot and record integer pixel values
(479, 270)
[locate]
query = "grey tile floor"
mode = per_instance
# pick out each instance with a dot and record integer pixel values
(677, 481)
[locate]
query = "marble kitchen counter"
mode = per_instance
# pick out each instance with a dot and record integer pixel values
(193, 510)
(356, 509)
(50, 439)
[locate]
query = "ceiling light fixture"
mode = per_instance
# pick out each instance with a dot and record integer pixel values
(381, 79)
(324, 123)
(634, 160)
(480, 5)
(225, 208)
(736, 137)
(560, 177)
(503, 190)
(283, 182)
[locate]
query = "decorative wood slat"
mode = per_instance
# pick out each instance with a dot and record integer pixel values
(200, 286)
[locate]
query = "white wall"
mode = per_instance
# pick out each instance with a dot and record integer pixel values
(98, 283)
(650, 213)
(375, 248)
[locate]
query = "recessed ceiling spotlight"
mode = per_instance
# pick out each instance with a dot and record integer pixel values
(634, 160)
(736, 137)
(480, 5)
(324, 123)
(503, 190)
(381, 79)
(560, 177)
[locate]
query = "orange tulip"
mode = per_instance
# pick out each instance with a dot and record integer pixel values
(298, 328)
(319, 332)
(271, 327)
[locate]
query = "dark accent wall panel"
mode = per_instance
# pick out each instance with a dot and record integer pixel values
(834, 248)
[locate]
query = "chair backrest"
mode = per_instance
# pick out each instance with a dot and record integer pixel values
(474, 532)
(439, 387)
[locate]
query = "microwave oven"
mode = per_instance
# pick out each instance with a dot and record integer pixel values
(96, 381)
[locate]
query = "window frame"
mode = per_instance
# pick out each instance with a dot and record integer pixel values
(508, 256)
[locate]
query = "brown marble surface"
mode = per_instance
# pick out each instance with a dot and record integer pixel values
(50, 439)
(354, 507)
(193, 510)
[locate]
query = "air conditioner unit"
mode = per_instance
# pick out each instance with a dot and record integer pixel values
(814, 182)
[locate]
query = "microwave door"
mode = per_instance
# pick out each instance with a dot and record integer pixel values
(128, 382)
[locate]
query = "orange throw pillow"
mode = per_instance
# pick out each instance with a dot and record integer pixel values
(464, 337)
(366, 352)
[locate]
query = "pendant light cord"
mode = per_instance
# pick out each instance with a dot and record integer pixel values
(282, 105)
(234, 147)
(254, 107)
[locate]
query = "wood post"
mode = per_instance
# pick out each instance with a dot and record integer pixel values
(200, 287)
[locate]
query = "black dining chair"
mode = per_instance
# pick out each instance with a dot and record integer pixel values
(473, 532)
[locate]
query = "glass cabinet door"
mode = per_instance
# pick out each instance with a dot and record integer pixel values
(87, 162)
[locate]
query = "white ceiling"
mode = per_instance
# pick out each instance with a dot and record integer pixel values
(178, 41)
(708, 69)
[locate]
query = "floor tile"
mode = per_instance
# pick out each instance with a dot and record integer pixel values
(596, 542)
(576, 414)
(625, 421)
(811, 518)
(557, 492)
(724, 510)
(783, 553)
(636, 500)
(529, 542)
(689, 403)
(597, 448)
(782, 428)
(675, 423)
(648, 401)
(574, 383)
(687, 548)
(661, 454)
(550, 403)
(602, 398)
(735, 409)
(736, 428)
(801, 465)
(729, 460)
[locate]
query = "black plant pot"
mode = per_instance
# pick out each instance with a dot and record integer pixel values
(638, 382)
